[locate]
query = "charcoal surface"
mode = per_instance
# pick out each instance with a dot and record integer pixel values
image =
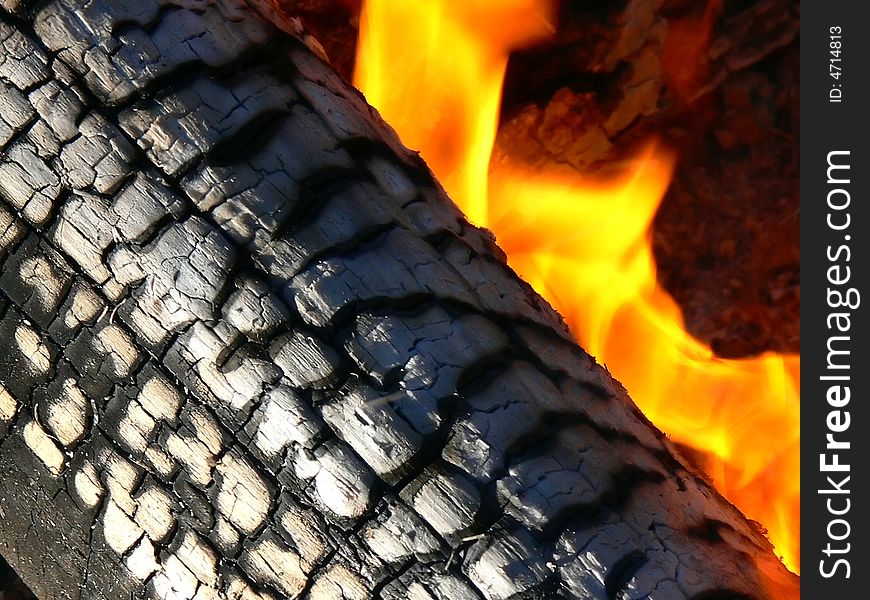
(249, 349)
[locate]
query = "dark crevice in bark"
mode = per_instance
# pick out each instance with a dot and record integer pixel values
(622, 571)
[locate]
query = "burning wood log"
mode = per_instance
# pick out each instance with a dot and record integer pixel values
(710, 79)
(251, 350)
(582, 239)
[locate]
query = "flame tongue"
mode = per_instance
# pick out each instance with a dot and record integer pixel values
(436, 75)
(434, 70)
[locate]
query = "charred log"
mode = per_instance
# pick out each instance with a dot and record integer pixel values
(715, 81)
(249, 349)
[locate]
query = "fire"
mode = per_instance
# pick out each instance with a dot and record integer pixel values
(434, 69)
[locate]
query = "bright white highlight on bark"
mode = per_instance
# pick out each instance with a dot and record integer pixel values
(154, 512)
(33, 349)
(207, 430)
(8, 405)
(342, 480)
(135, 427)
(119, 530)
(37, 273)
(10, 231)
(225, 532)
(160, 399)
(276, 565)
(87, 484)
(199, 559)
(243, 497)
(159, 460)
(286, 419)
(43, 447)
(66, 416)
(339, 582)
(85, 307)
(447, 506)
(194, 455)
(399, 537)
(142, 562)
(121, 478)
(305, 537)
(237, 387)
(175, 581)
(116, 344)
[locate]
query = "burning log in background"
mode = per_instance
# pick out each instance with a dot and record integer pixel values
(721, 91)
(730, 214)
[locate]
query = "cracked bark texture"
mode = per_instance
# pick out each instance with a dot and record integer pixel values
(249, 349)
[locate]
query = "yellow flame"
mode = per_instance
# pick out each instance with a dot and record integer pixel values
(434, 69)
(585, 247)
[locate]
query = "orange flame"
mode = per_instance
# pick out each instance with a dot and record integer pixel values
(434, 69)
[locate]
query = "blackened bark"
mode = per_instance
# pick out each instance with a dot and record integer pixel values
(249, 349)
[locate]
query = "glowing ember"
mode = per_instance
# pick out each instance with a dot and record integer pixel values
(435, 75)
